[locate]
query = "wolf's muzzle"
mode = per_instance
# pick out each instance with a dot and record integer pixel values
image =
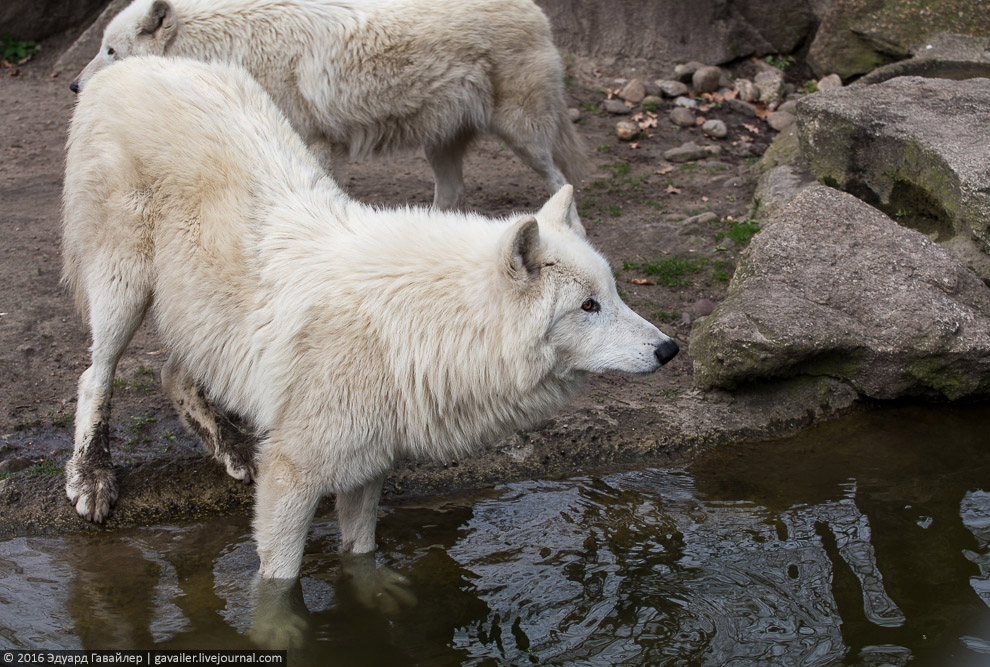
(666, 351)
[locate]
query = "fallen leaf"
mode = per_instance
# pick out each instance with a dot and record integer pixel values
(633, 144)
(731, 94)
(672, 190)
(641, 281)
(647, 123)
(704, 199)
(751, 128)
(762, 111)
(665, 170)
(700, 120)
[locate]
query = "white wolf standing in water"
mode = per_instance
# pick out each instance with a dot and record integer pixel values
(347, 335)
(361, 77)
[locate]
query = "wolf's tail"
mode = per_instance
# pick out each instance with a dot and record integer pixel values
(568, 152)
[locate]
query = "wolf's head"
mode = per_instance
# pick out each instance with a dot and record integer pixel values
(145, 27)
(589, 328)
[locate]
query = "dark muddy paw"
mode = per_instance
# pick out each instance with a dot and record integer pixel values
(92, 489)
(239, 468)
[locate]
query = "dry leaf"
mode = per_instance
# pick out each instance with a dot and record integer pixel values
(634, 144)
(762, 111)
(672, 190)
(704, 199)
(751, 128)
(700, 120)
(731, 94)
(665, 170)
(641, 281)
(647, 123)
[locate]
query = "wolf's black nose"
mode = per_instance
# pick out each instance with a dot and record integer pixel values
(666, 351)
(74, 87)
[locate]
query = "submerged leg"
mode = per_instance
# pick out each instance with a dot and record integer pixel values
(219, 435)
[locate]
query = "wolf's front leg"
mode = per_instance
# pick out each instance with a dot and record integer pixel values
(89, 478)
(374, 587)
(284, 506)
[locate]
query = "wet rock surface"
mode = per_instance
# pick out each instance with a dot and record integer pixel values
(834, 288)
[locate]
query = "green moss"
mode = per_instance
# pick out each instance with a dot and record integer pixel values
(943, 377)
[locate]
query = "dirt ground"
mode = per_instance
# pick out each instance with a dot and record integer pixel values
(636, 208)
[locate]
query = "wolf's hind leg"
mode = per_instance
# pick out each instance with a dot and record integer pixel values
(219, 435)
(117, 300)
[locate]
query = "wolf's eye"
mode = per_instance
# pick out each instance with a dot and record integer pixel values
(111, 51)
(590, 306)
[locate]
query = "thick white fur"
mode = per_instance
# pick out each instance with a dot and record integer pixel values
(362, 77)
(347, 335)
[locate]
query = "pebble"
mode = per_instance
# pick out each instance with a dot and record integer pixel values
(701, 218)
(686, 102)
(702, 307)
(681, 116)
(574, 114)
(686, 71)
(616, 106)
(706, 79)
(652, 101)
(633, 91)
(830, 82)
(744, 108)
(16, 464)
(626, 130)
(715, 129)
(771, 85)
(671, 88)
(789, 106)
(748, 92)
(779, 120)
(688, 152)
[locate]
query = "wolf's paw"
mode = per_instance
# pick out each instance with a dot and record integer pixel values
(239, 468)
(376, 587)
(91, 488)
(280, 619)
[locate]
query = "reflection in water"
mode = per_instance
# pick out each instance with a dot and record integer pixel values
(865, 542)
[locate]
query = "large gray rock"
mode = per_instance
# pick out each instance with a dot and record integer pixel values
(832, 287)
(37, 19)
(719, 31)
(916, 148)
(856, 36)
(941, 56)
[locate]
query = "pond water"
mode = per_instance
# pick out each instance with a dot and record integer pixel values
(862, 542)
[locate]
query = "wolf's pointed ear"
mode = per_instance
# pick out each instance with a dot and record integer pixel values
(560, 212)
(521, 250)
(159, 22)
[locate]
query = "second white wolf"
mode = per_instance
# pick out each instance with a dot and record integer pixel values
(363, 77)
(348, 336)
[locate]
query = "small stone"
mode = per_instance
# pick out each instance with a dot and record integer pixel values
(651, 101)
(715, 129)
(574, 114)
(830, 82)
(688, 152)
(626, 131)
(771, 85)
(617, 107)
(687, 102)
(16, 464)
(702, 307)
(701, 218)
(686, 71)
(651, 88)
(671, 88)
(740, 107)
(779, 120)
(789, 106)
(681, 116)
(706, 79)
(633, 91)
(748, 92)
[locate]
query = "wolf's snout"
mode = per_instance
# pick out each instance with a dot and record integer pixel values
(666, 351)
(74, 86)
